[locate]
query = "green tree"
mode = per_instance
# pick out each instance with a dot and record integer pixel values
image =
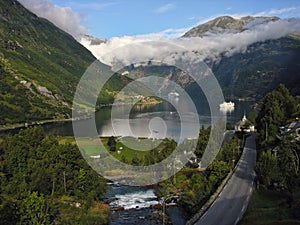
(112, 144)
(202, 142)
(8, 212)
(266, 167)
(276, 108)
(217, 170)
(34, 210)
(287, 164)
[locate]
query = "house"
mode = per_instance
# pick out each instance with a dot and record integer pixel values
(292, 128)
(244, 125)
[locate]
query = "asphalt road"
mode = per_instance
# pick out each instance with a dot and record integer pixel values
(232, 202)
(228, 136)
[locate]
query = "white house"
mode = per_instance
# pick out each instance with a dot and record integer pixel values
(244, 125)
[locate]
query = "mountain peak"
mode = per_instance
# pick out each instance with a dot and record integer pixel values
(94, 40)
(227, 24)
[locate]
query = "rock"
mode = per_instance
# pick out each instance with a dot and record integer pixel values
(157, 206)
(118, 209)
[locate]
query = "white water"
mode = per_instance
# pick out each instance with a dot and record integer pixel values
(139, 199)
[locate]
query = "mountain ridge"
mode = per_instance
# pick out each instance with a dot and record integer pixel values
(259, 69)
(227, 24)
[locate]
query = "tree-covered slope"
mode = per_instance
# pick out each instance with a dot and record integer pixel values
(40, 66)
(261, 68)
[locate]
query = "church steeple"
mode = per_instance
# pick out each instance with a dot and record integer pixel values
(244, 117)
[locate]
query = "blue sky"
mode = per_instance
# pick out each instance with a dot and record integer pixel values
(133, 17)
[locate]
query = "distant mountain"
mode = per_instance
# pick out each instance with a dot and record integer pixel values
(40, 66)
(258, 70)
(261, 68)
(247, 75)
(94, 40)
(227, 24)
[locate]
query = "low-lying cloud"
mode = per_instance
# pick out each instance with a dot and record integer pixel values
(209, 46)
(63, 17)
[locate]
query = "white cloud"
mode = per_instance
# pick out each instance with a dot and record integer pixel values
(191, 18)
(63, 17)
(165, 34)
(273, 12)
(210, 46)
(92, 5)
(165, 8)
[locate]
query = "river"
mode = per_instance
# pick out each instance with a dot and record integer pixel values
(139, 205)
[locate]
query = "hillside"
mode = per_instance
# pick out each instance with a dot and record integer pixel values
(261, 69)
(258, 70)
(39, 66)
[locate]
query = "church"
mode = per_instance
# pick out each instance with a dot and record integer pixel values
(244, 125)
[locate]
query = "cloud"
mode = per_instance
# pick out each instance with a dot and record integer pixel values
(191, 18)
(143, 48)
(273, 12)
(165, 8)
(63, 17)
(95, 6)
(165, 34)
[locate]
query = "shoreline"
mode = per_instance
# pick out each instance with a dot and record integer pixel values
(12, 127)
(16, 126)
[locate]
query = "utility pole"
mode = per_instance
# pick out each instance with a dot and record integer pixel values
(266, 131)
(297, 159)
(164, 210)
(174, 176)
(65, 183)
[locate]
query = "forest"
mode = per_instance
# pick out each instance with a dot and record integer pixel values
(44, 182)
(277, 195)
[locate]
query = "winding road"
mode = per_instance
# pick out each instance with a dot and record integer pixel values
(232, 202)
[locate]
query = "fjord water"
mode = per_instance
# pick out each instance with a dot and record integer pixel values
(139, 118)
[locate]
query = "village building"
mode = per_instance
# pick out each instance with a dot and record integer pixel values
(244, 125)
(292, 128)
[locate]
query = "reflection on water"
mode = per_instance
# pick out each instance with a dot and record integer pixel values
(140, 119)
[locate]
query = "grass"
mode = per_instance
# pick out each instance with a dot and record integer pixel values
(91, 146)
(267, 208)
(98, 213)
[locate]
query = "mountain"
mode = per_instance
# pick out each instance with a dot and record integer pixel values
(40, 66)
(259, 69)
(94, 40)
(227, 24)
(248, 73)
